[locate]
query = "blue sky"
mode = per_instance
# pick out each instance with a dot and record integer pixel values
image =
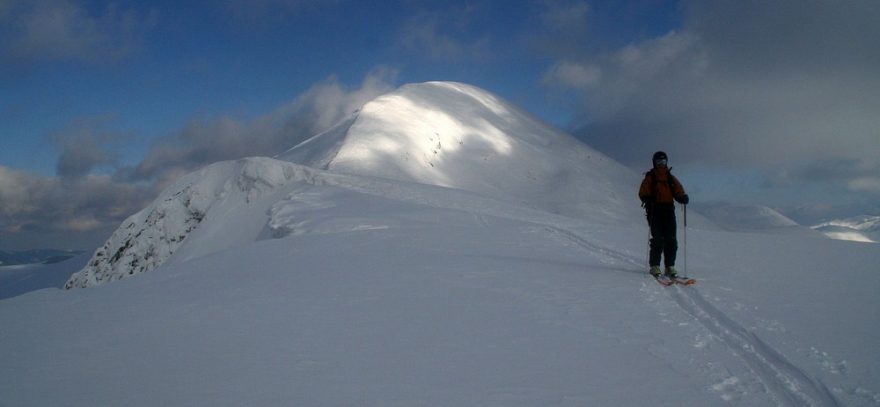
(102, 103)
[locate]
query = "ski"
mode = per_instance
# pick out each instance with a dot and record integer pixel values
(684, 281)
(664, 281)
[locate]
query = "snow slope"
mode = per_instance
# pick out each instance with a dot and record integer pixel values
(378, 292)
(312, 286)
(858, 229)
(21, 279)
(751, 218)
(458, 136)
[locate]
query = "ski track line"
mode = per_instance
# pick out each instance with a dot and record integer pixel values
(787, 383)
(609, 253)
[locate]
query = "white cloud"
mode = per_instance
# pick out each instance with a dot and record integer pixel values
(573, 75)
(204, 141)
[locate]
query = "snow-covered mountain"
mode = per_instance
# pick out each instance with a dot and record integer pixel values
(751, 218)
(366, 267)
(458, 136)
(858, 229)
(444, 134)
(223, 205)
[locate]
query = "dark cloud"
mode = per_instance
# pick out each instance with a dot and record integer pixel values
(86, 145)
(51, 30)
(79, 159)
(783, 86)
(786, 36)
(69, 212)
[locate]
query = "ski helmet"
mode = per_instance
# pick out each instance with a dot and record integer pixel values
(659, 156)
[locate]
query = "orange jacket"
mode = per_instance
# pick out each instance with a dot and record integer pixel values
(665, 186)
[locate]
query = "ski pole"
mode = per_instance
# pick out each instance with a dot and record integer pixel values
(686, 240)
(650, 217)
(648, 251)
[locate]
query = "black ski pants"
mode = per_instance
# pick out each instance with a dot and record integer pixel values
(661, 219)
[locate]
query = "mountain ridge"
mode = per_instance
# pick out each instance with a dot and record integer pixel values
(438, 134)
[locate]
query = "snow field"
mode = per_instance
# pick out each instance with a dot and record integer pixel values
(439, 306)
(440, 247)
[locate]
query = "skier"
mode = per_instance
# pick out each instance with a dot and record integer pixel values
(657, 192)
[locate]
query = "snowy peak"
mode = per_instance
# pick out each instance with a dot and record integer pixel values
(459, 136)
(436, 133)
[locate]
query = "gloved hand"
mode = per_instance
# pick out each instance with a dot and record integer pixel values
(685, 199)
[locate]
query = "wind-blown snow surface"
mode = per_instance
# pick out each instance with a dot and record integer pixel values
(308, 286)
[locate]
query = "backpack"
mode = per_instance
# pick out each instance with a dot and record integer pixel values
(654, 182)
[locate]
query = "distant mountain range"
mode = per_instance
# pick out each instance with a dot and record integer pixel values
(36, 256)
(757, 218)
(859, 228)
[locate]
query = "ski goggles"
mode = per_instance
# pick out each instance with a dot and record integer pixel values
(659, 162)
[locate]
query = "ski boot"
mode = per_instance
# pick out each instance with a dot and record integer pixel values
(654, 271)
(671, 272)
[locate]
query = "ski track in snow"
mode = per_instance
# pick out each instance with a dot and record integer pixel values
(788, 384)
(610, 256)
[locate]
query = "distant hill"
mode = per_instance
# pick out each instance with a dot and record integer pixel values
(751, 218)
(35, 256)
(859, 229)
